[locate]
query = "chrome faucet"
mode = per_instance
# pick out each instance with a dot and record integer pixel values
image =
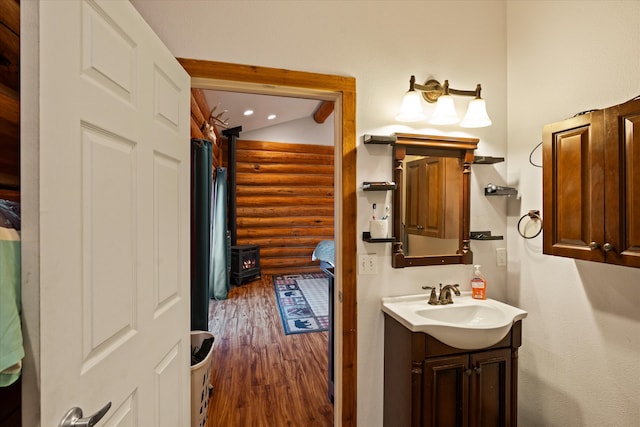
(445, 294)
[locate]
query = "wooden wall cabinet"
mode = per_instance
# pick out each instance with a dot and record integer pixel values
(591, 185)
(429, 384)
(433, 189)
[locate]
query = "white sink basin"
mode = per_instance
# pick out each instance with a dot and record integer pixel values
(467, 324)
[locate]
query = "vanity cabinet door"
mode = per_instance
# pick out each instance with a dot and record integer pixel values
(445, 391)
(490, 389)
(471, 390)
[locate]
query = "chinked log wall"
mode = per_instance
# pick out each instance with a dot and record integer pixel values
(285, 195)
(199, 115)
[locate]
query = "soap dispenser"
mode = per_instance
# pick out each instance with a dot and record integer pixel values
(478, 284)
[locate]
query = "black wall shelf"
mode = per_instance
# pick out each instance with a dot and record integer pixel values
(378, 139)
(487, 160)
(484, 235)
(366, 236)
(501, 191)
(378, 186)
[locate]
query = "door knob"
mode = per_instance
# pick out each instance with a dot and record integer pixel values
(73, 418)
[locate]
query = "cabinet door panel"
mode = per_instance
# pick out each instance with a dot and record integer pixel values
(415, 189)
(446, 392)
(490, 401)
(622, 162)
(574, 187)
(434, 203)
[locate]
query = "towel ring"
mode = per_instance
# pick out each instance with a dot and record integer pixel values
(533, 215)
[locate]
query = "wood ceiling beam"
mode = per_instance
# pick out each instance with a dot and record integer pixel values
(323, 111)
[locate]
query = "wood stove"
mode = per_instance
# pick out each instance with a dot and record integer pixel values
(245, 263)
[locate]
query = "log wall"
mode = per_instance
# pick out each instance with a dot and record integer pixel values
(199, 115)
(285, 202)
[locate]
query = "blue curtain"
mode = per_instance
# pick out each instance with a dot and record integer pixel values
(219, 263)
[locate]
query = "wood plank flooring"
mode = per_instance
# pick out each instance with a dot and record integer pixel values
(262, 377)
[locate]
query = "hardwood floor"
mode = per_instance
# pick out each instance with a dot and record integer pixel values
(260, 376)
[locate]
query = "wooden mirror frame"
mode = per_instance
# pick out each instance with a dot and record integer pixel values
(445, 146)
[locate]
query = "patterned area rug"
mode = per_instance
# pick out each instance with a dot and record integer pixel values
(303, 300)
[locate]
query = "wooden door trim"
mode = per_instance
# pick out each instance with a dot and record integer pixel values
(342, 90)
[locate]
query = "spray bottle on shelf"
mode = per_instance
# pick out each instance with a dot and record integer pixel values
(478, 284)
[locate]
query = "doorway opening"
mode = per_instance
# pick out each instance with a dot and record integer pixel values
(341, 90)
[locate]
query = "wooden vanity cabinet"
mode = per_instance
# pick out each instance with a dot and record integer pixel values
(591, 186)
(433, 188)
(429, 384)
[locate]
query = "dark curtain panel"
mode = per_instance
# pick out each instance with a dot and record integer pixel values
(200, 231)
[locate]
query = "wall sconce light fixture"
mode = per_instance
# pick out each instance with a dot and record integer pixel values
(445, 113)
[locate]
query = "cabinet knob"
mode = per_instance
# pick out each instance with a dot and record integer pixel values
(594, 245)
(608, 247)
(468, 372)
(477, 370)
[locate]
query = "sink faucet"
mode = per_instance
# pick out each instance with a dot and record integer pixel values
(445, 294)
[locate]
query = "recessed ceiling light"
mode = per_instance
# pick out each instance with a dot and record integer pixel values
(248, 112)
(271, 116)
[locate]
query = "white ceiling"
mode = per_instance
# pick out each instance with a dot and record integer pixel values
(285, 108)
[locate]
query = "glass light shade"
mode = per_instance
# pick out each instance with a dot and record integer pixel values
(445, 113)
(476, 116)
(411, 109)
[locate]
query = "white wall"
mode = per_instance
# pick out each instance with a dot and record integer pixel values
(580, 362)
(580, 358)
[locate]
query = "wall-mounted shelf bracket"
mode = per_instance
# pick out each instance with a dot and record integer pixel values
(378, 139)
(496, 190)
(487, 160)
(366, 236)
(484, 235)
(379, 186)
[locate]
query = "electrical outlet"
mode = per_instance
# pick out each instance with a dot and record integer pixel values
(367, 264)
(501, 257)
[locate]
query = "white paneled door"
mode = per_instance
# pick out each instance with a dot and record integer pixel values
(114, 218)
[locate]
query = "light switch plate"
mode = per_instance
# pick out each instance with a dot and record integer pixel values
(501, 257)
(367, 264)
